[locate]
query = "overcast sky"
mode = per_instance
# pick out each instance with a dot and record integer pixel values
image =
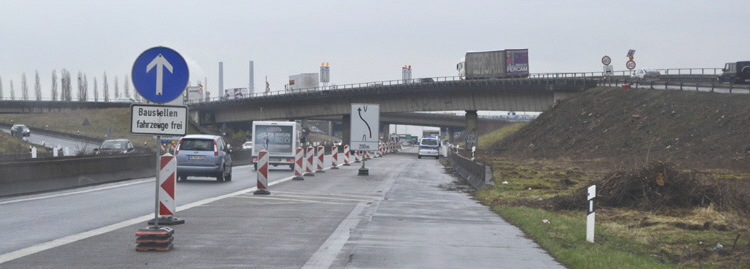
(363, 40)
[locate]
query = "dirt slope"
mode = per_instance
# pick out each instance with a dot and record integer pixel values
(633, 127)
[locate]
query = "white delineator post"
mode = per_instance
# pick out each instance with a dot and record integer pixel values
(346, 155)
(321, 158)
(262, 173)
(299, 164)
(309, 166)
(590, 218)
(334, 157)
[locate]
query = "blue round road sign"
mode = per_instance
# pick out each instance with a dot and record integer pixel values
(160, 74)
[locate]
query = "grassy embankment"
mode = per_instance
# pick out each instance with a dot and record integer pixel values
(625, 238)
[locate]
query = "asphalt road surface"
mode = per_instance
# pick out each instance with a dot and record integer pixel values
(402, 215)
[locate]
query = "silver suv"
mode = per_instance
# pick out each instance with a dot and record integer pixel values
(203, 156)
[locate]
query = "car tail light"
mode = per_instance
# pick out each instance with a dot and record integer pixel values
(255, 159)
(291, 160)
(216, 149)
(177, 149)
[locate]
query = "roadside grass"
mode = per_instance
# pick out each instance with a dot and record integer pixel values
(13, 145)
(487, 140)
(564, 237)
(625, 238)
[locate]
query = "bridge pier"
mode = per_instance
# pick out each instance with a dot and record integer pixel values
(471, 128)
(346, 126)
(385, 131)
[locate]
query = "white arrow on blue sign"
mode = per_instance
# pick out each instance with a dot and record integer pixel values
(160, 74)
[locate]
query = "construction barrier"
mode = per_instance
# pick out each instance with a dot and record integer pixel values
(320, 159)
(334, 157)
(167, 182)
(262, 173)
(346, 155)
(357, 156)
(299, 164)
(310, 160)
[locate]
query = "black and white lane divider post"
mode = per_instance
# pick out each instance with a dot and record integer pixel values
(262, 173)
(590, 218)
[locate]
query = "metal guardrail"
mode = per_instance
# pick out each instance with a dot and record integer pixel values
(562, 75)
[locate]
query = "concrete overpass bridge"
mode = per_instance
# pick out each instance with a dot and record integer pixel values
(523, 94)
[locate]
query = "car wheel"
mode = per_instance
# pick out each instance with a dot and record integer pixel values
(220, 176)
(228, 177)
(419, 156)
(437, 157)
(182, 178)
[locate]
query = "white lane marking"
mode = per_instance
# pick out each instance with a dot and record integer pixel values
(332, 198)
(324, 257)
(290, 200)
(68, 193)
(6, 257)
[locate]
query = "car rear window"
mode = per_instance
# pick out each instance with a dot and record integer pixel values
(197, 144)
(429, 142)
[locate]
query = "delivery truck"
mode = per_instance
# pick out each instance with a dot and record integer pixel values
(303, 81)
(279, 138)
(509, 63)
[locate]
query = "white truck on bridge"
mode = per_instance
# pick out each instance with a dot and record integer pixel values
(279, 138)
(303, 81)
(510, 63)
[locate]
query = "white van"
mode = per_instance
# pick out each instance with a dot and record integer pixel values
(429, 146)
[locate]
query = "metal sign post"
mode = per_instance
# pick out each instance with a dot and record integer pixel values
(365, 124)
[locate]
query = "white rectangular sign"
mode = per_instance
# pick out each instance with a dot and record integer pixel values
(158, 120)
(365, 123)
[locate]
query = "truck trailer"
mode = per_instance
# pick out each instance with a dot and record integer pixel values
(510, 63)
(303, 81)
(279, 138)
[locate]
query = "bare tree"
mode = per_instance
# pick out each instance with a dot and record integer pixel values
(137, 97)
(127, 86)
(106, 88)
(117, 89)
(82, 87)
(12, 92)
(37, 87)
(67, 93)
(24, 88)
(85, 88)
(54, 85)
(96, 92)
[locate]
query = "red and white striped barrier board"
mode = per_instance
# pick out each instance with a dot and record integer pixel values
(346, 155)
(334, 157)
(357, 156)
(167, 182)
(262, 173)
(321, 155)
(310, 160)
(299, 164)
